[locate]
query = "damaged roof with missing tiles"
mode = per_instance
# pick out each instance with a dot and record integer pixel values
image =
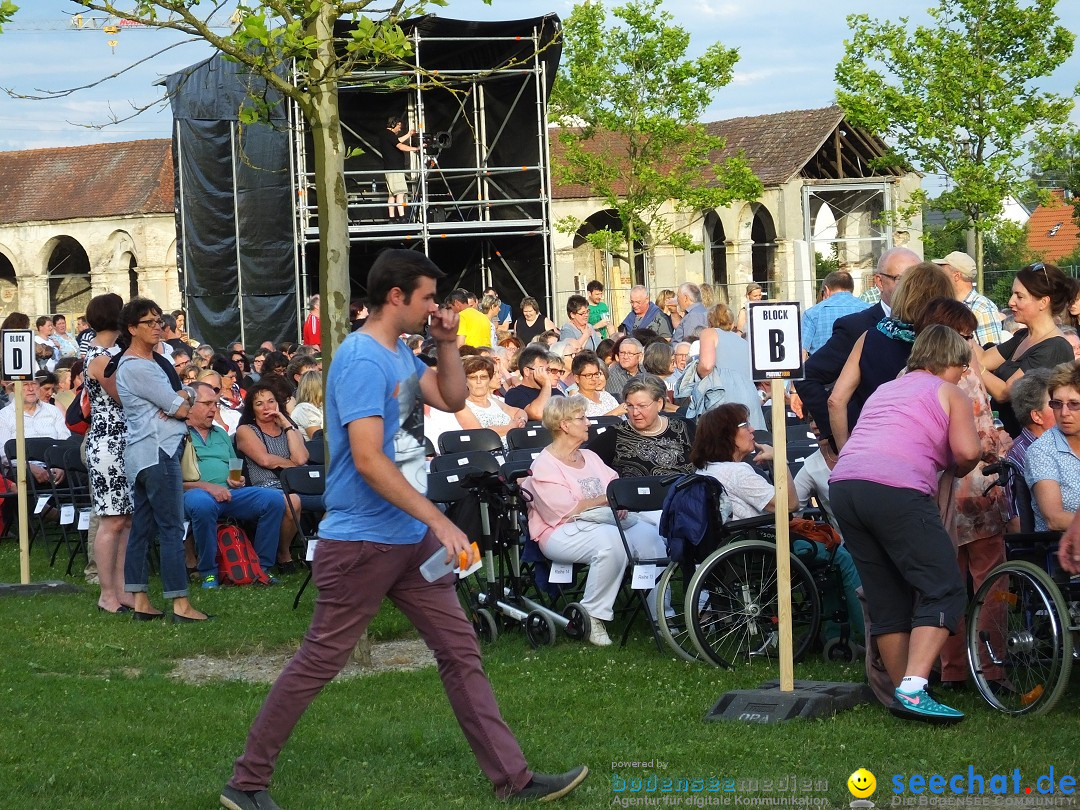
(86, 182)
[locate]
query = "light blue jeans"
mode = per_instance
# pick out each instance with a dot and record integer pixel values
(158, 494)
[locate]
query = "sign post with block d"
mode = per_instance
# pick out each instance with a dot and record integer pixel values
(17, 347)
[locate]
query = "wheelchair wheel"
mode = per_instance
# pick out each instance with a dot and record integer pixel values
(1019, 644)
(732, 605)
(580, 624)
(539, 629)
(671, 596)
(487, 629)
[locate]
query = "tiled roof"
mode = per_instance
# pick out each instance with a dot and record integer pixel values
(86, 182)
(777, 145)
(1052, 231)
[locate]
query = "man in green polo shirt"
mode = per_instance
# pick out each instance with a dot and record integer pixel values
(214, 496)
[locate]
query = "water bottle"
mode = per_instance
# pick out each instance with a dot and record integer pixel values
(436, 565)
(998, 424)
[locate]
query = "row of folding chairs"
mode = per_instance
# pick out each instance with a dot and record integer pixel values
(70, 497)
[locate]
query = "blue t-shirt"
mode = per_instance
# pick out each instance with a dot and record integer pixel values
(367, 379)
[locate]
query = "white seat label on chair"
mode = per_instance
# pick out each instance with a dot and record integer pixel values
(561, 573)
(42, 502)
(644, 491)
(67, 514)
(84, 520)
(644, 577)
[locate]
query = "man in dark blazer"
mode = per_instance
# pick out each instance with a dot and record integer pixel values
(823, 367)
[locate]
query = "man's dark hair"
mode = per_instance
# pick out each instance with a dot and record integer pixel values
(530, 354)
(458, 296)
(103, 312)
(574, 303)
(839, 280)
(393, 121)
(181, 353)
(398, 268)
(299, 364)
(135, 310)
(168, 321)
(42, 320)
(224, 365)
(594, 285)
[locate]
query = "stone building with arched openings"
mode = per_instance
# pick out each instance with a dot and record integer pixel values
(822, 195)
(76, 222)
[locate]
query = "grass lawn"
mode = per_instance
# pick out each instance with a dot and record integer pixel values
(90, 718)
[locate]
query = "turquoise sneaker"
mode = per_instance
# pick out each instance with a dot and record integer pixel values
(920, 706)
(210, 582)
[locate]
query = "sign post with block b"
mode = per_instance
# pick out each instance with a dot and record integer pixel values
(776, 355)
(18, 354)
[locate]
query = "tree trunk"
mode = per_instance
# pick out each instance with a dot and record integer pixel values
(979, 257)
(333, 206)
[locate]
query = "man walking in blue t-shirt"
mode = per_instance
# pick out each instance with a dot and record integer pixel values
(377, 531)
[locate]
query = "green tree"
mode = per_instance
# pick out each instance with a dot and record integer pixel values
(273, 37)
(7, 9)
(629, 103)
(1056, 164)
(959, 97)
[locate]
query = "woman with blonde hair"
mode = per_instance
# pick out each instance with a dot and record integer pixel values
(720, 317)
(308, 411)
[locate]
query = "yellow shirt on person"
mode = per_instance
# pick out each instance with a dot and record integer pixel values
(475, 327)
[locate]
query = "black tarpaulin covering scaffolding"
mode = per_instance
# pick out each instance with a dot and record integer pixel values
(246, 255)
(235, 237)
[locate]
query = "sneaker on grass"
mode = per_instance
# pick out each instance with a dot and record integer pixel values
(920, 706)
(236, 799)
(544, 787)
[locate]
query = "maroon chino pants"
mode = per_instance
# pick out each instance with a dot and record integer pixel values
(353, 578)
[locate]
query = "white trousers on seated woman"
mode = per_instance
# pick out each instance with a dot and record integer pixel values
(598, 544)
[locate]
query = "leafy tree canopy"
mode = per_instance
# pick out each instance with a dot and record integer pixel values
(959, 97)
(631, 83)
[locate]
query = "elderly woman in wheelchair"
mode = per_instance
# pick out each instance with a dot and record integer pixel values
(569, 515)
(1052, 467)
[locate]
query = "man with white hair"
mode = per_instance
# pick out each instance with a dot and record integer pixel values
(960, 268)
(644, 314)
(627, 366)
(695, 318)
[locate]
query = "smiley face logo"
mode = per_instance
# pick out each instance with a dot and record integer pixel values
(861, 783)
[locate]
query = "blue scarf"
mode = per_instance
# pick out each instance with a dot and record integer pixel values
(895, 329)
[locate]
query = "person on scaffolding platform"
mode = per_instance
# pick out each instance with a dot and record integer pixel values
(394, 148)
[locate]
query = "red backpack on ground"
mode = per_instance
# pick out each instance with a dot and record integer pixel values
(238, 564)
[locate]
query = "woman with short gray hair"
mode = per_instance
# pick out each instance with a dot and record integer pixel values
(566, 483)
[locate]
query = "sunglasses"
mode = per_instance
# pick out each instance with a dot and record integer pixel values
(1064, 405)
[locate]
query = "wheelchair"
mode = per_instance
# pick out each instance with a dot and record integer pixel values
(1021, 621)
(726, 590)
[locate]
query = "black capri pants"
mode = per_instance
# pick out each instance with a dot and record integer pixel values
(905, 558)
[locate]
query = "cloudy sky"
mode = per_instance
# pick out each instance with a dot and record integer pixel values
(788, 51)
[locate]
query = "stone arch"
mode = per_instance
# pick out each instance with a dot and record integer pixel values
(9, 282)
(714, 238)
(613, 270)
(67, 270)
(763, 252)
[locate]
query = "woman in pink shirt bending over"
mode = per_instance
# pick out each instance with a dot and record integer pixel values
(884, 494)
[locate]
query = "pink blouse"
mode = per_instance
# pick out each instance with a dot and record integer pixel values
(556, 489)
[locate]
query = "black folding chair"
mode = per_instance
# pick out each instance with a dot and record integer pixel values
(518, 438)
(309, 479)
(36, 449)
(476, 459)
(640, 494)
(607, 421)
(71, 496)
(316, 451)
(526, 454)
(460, 441)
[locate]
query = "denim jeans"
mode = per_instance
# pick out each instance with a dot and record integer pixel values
(267, 506)
(158, 493)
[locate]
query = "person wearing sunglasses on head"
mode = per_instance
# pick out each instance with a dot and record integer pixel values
(1039, 292)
